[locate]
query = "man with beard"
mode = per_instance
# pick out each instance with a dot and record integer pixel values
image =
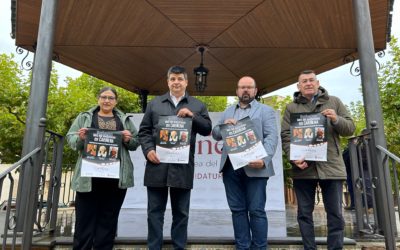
(245, 187)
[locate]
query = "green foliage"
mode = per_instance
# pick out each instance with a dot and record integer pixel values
(278, 102)
(13, 102)
(64, 105)
(214, 103)
(79, 95)
(389, 88)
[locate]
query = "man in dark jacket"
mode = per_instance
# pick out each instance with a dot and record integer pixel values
(330, 174)
(177, 179)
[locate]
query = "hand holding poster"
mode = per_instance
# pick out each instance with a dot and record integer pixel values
(101, 157)
(242, 143)
(173, 140)
(308, 140)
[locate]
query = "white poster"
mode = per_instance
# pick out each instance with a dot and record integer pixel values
(307, 137)
(242, 143)
(208, 190)
(173, 140)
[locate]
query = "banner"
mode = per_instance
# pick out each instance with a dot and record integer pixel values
(307, 137)
(242, 143)
(101, 156)
(208, 191)
(173, 140)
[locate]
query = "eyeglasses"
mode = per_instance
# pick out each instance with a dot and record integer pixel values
(246, 87)
(308, 80)
(104, 98)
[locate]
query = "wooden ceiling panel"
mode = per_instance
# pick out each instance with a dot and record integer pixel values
(293, 24)
(28, 18)
(204, 20)
(126, 63)
(267, 69)
(218, 79)
(133, 43)
(117, 23)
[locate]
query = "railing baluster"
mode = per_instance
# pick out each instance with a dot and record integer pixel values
(45, 217)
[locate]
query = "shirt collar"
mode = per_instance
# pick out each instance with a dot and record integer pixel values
(248, 105)
(176, 100)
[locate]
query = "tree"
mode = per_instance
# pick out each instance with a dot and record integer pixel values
(13, 101)
(64, 105)
(79, 95)
(389, 88)
(214, 103)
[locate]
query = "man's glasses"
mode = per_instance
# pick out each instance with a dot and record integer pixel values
(246, 87)
(308, 80)
(110, 98)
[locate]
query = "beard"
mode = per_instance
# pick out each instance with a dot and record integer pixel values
(246, 98)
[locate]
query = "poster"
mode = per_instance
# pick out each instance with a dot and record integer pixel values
(101, 155)
(173, 140)
(208, 189)
(308, 137)
(242, 143)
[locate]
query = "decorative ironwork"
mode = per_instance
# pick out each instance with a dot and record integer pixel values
(354, 71)
(25, 65)
(56, 57)
(380, 54)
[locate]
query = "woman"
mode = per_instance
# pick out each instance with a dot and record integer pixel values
(99, 200)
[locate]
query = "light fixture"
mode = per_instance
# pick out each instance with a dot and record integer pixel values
(200, 72)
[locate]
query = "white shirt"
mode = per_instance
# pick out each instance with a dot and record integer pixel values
(176, 100)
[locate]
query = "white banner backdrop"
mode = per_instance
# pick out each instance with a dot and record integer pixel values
(208, 191)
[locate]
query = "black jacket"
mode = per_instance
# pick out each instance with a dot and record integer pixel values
(167, 174)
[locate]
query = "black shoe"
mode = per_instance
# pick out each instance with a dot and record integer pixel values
(350, 208)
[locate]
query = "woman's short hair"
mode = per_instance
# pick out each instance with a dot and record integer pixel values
(104, 89)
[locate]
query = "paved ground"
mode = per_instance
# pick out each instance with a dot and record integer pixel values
(209, 229)
(211, 223)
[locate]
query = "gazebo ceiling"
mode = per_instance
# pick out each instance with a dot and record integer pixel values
(132, 43)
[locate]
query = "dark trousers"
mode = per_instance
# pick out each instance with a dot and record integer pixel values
(332, 196)
(97, 215)
(156, 204)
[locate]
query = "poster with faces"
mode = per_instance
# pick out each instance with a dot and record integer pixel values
(173, 140)
(308, 137)
(242, 143)
(101, 155)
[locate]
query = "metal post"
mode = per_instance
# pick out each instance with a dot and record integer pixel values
(355, 173)
(143, 99)
(57, 182)
(373, 112)
(34, 134)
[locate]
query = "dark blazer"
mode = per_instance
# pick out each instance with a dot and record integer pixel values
(264, 120)
(168, 174)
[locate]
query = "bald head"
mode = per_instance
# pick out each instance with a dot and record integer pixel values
(246, 90)
(246, 80)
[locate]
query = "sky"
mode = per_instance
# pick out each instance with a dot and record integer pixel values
(338, 81)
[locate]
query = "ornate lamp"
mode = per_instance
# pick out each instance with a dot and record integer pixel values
(201, 73)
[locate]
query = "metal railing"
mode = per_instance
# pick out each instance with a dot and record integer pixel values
(47, 192)
(366, 160)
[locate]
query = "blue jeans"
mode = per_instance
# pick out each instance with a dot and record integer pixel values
(332, 196)
(156, 203)
(246, 198)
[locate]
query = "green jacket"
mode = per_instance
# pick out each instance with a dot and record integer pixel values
(84, 120)
(334, 167)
